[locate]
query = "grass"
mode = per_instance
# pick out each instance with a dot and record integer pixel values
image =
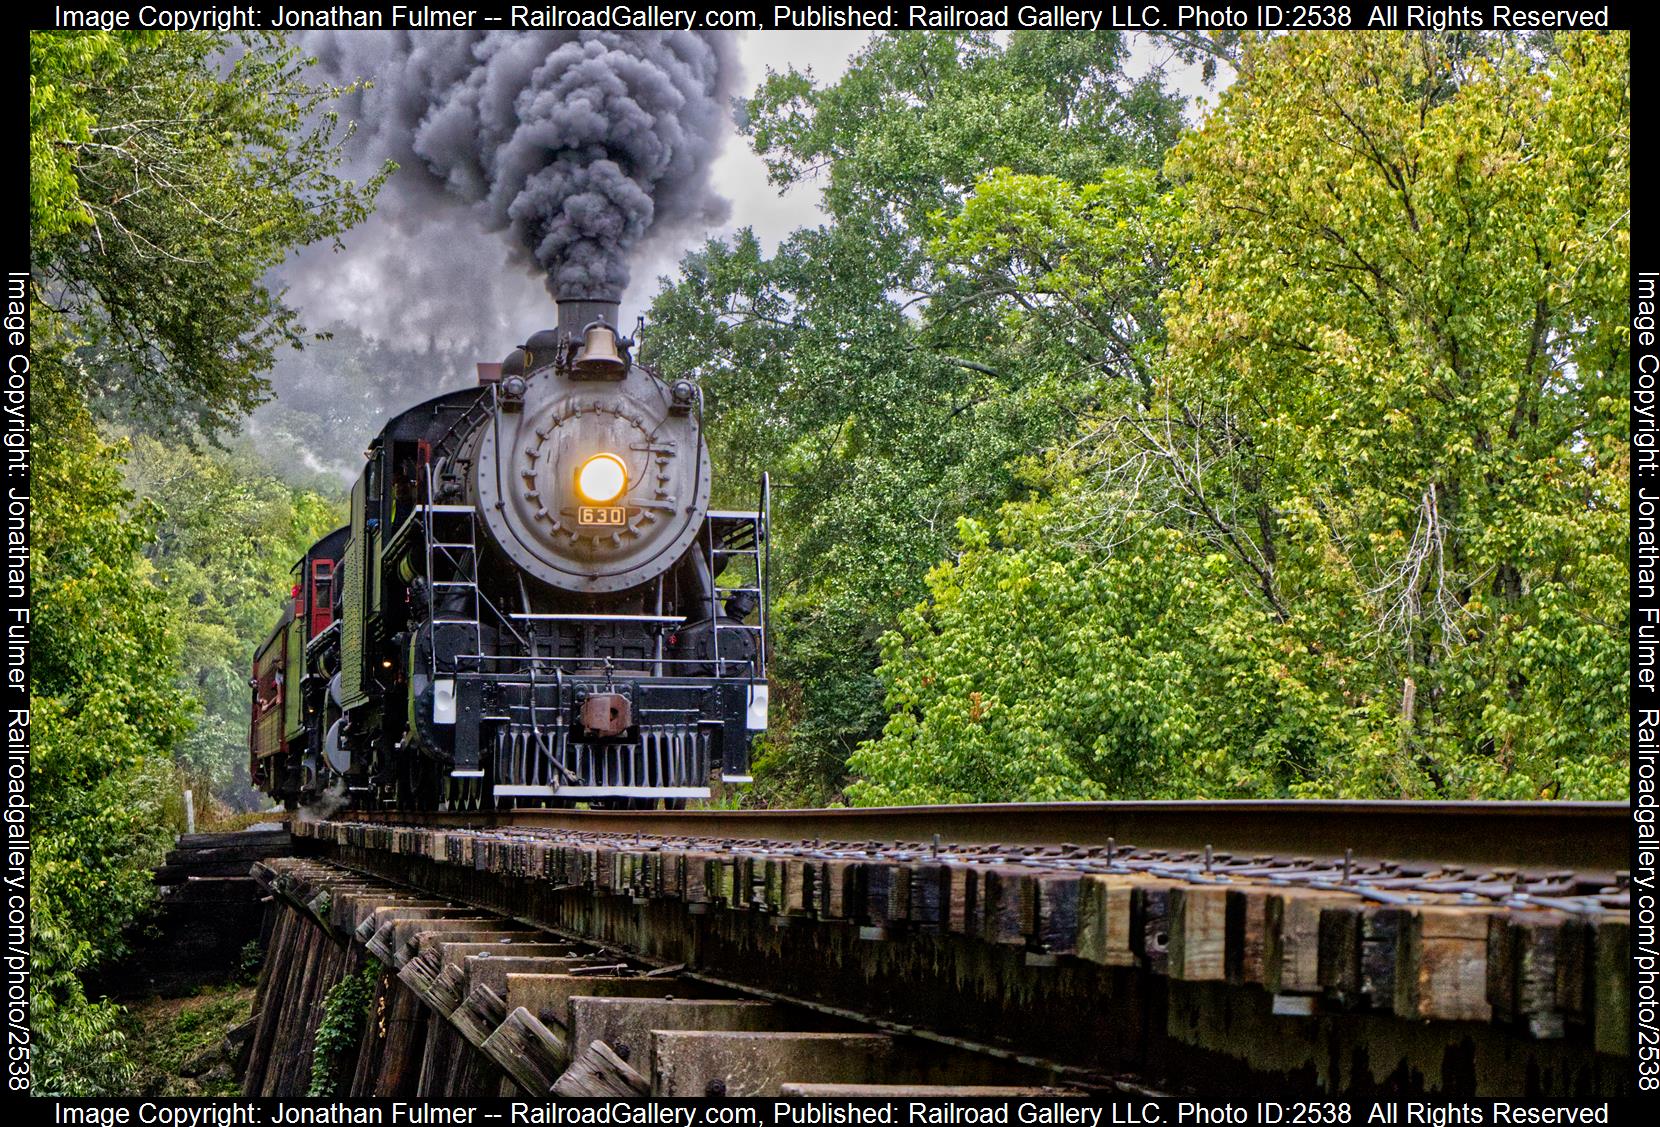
(217, 820)
(170, 1035)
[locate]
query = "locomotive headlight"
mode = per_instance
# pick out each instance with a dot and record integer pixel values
(602, 479)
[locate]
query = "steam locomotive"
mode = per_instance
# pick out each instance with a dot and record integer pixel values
(533, 603)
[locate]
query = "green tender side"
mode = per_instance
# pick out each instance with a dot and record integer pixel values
(293, 699)
(372, 561)
(353, 621)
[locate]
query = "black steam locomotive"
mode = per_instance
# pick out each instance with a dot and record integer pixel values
(533, 603)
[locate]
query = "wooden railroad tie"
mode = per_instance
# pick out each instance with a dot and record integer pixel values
(1313, 950)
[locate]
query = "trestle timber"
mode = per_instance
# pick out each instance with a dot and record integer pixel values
(1173, 973)
(470, 1004)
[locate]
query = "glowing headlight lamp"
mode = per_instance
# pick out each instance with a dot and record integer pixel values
(602, 479)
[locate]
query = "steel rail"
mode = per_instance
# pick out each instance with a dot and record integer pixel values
(1590, 839)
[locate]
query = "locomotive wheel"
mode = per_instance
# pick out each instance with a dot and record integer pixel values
(428, 784)
(418, 783)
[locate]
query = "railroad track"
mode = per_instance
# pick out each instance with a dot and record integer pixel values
(1589, 840)
(1168, 942)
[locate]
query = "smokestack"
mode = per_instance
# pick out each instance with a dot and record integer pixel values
(577, 313)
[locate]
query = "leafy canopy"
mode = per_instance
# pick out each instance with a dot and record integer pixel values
(1377, 425)
(169, 182)
(225, 542)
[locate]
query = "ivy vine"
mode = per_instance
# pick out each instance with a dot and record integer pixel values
(345, 1009)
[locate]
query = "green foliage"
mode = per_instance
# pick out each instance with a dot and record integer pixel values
(80, 1048)
(345, 1013)
(1418, 340)
(885, 397)
(919, 116)
(1078, 270)
(166, 180)
(249, 961)
(171, 185)
(222, 553)
(1376, 426)
(1044, 668)
(105, 708)
(62, 67)
(105, 713)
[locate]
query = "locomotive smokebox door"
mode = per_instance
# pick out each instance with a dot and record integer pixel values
(607, 714)
(600, 482)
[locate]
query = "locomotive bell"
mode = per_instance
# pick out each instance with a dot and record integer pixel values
(598, 359)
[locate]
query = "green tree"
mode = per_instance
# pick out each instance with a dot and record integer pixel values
(1044, 669)
(172, 185)
(166, 180)
(223, 550)
(1385, 404)
(1413, 346)
(105, 713)
(61, 69)
(885, 398)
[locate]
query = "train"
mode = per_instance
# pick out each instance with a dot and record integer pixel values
(533, 604)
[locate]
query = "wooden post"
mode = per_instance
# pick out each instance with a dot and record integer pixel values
(1198, 933)
(1441, 966)
(601, 1072)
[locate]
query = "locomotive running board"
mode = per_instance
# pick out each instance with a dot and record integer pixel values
(524, 790)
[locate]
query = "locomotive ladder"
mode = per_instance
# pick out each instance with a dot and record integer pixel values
(451, 545)
(452, 535)
(733, 544)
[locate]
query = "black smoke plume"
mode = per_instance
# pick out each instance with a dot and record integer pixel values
(582, 144)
